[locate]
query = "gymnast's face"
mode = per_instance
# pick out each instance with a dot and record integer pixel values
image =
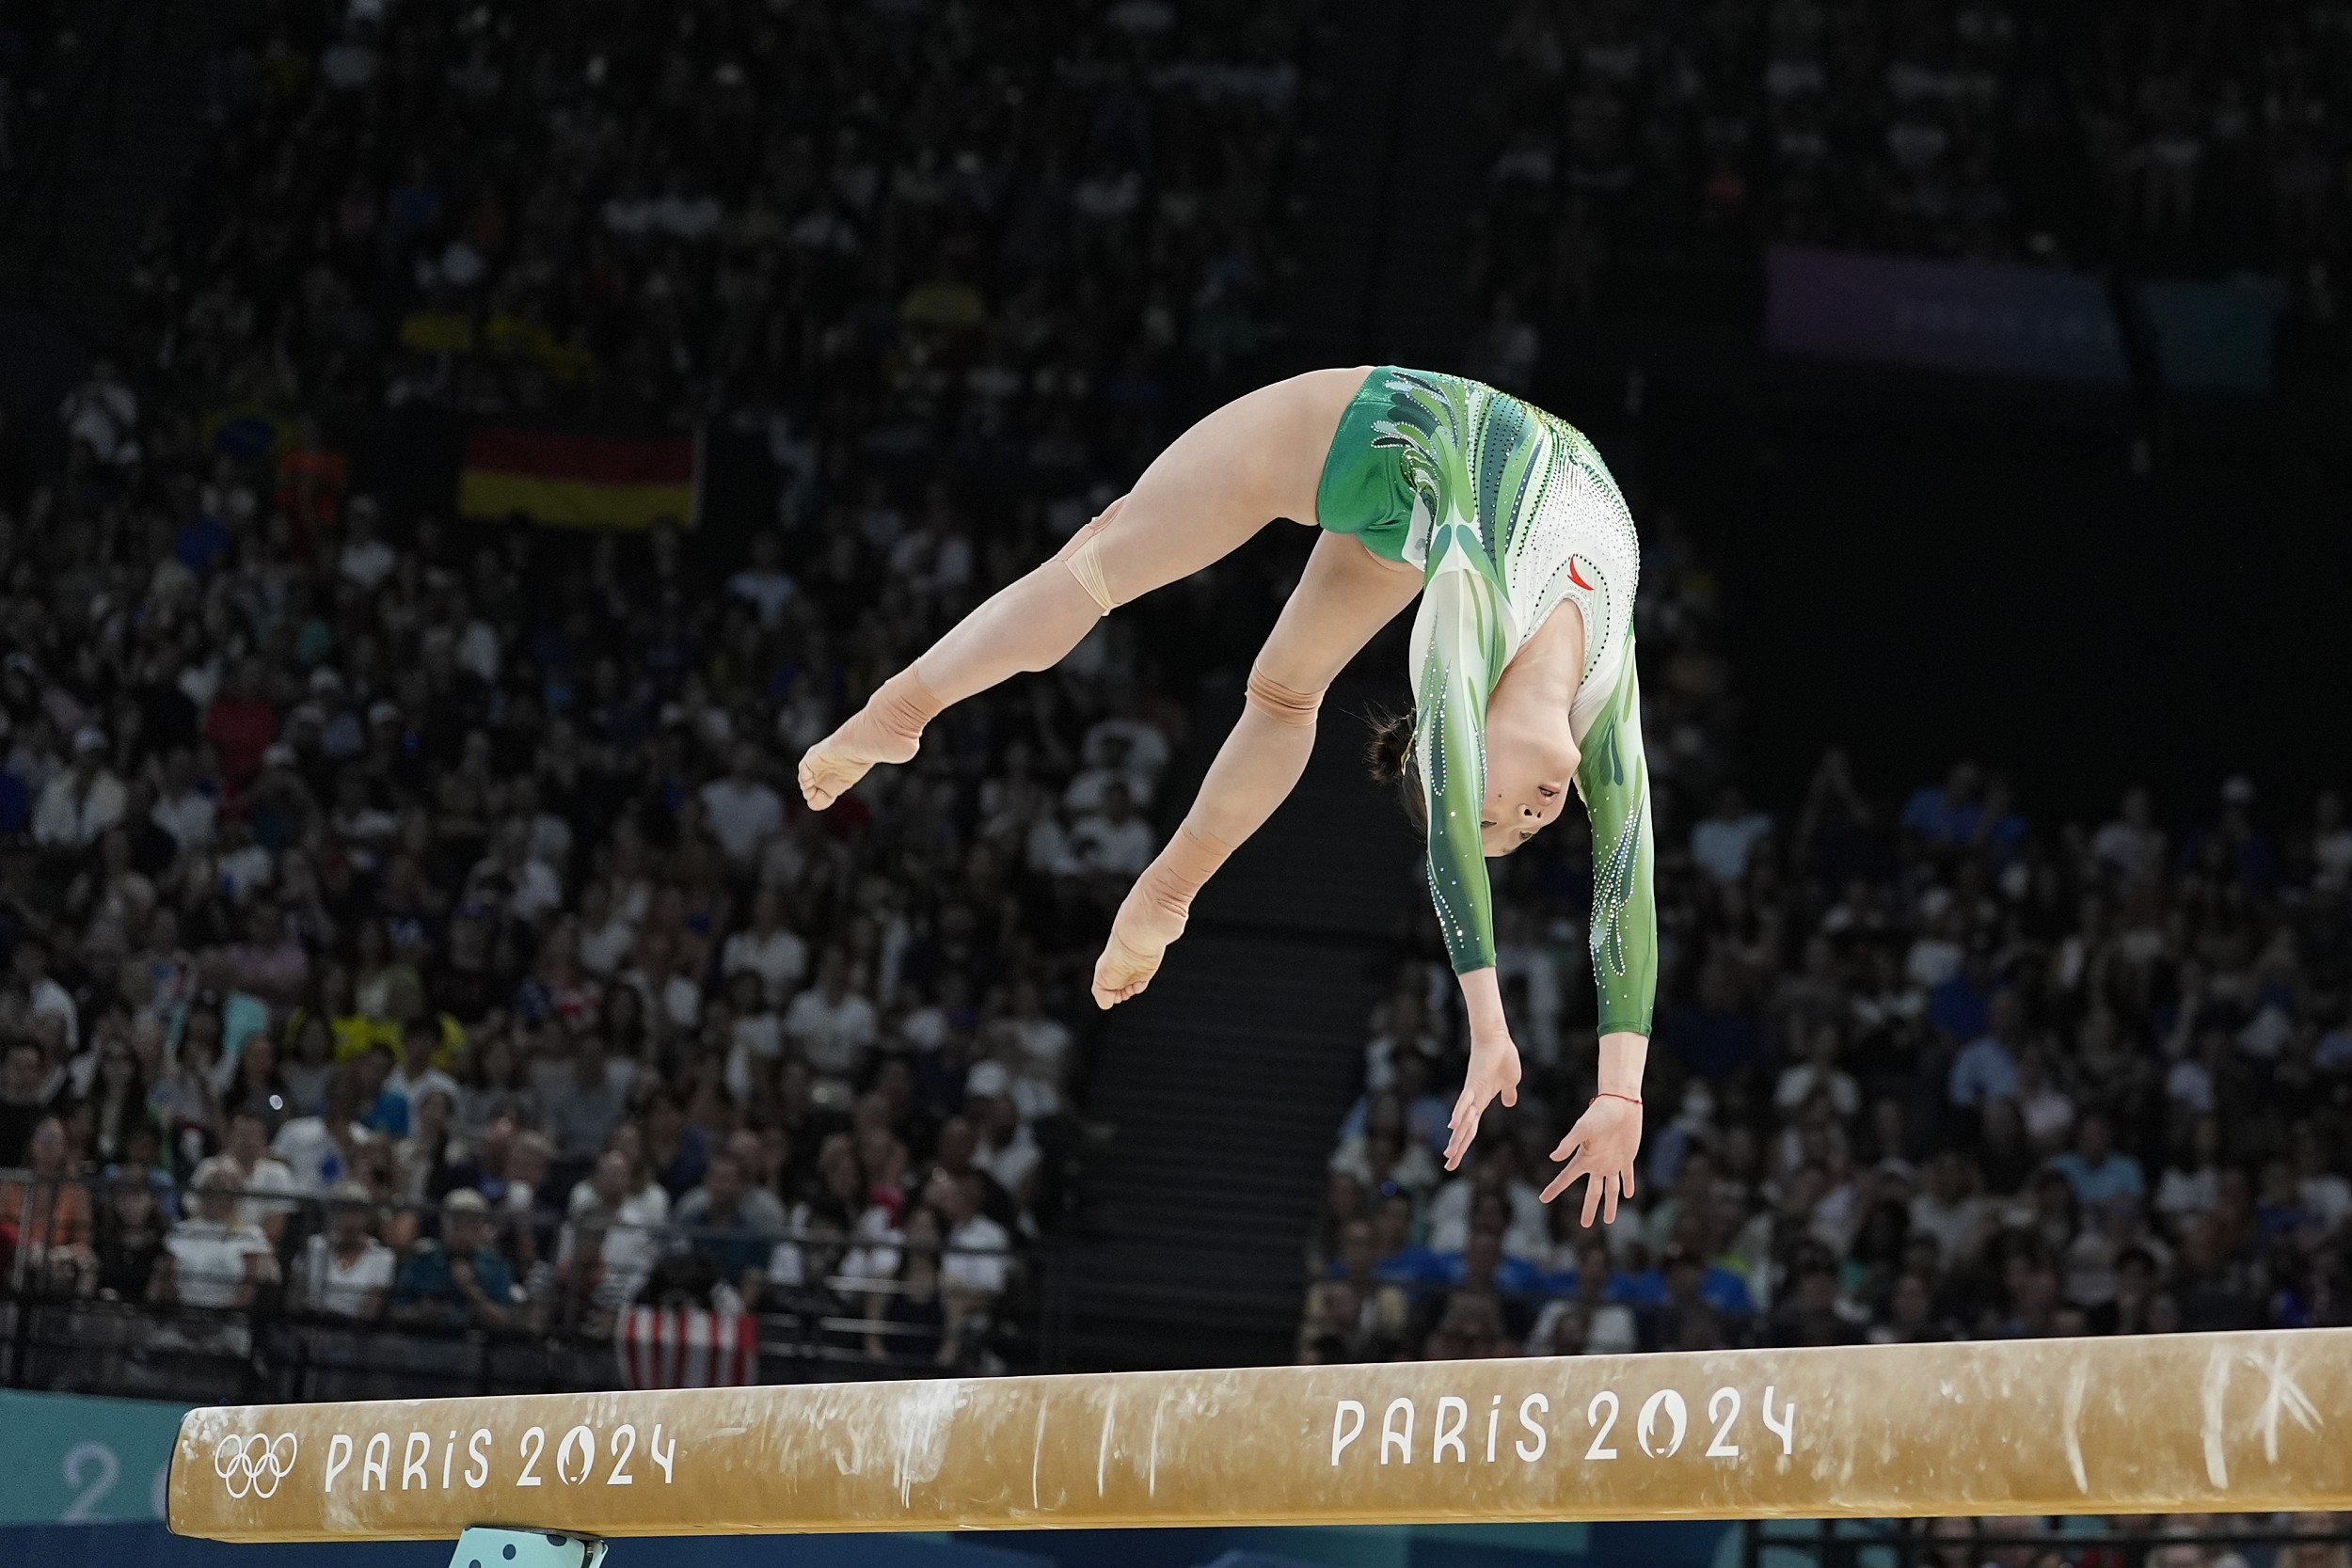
(1529, 760)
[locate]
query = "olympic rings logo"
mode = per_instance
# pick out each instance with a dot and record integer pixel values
(254, 1464)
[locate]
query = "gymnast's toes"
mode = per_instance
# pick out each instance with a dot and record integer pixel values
(824, 775)
(1121, 976)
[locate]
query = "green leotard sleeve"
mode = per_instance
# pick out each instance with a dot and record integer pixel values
(1614, 778)
(1463, 656)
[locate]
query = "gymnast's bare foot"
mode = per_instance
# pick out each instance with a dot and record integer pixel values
(835, 763)
(1147, 921)
(889, 728)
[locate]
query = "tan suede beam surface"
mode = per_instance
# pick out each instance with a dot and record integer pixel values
(2231, 1423)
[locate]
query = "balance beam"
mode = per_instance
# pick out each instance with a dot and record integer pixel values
(2183, 1423)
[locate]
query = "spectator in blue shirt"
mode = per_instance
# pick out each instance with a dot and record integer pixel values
(1716, 1040)
(1986, 1068)
(1958, 1003)
(1399, 1259)
(1949, 812)
(1481, 1264)
(721, 1228)
(2093, 1168)
(459, 1281)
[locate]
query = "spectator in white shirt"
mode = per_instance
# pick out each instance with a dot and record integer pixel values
(606, 935)
(1721, 844)
(416, 1076)
(1002, 1146)
(2131, 844)
(978, 1261)
(217, 1259)
(183, 810)
(508, 877)
(321, 1151)
(2191, 1184)
(344, 1271)
(764, 584)
(366, 561)
(44, 996)
(1817, 1074)
(1950, 1208)
(767, 948)
(1493, 1173)
(742, 808)
(1147, 749)
(1986, 1068)
(80, 802)
(1115, 842)
(831, 1022)
(1044, 1041)
(102, 418)
(1087, 791)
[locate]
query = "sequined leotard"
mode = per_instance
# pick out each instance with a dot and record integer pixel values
(1507, 510)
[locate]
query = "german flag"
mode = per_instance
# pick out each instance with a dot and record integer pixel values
(577, 480)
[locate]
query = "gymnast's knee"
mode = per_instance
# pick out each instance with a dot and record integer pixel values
(1284, 704)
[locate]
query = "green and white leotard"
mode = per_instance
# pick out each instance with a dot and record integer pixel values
(1507, 512)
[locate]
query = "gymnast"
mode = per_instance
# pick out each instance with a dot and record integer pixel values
(1505, 523)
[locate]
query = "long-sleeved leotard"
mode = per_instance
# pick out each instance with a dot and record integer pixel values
(1507, 512)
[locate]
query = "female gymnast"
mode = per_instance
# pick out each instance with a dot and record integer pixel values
(1507, 524)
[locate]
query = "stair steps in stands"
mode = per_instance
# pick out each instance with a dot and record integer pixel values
(1224, 1083)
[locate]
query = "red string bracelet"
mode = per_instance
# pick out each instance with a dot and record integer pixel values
(1605, 1094)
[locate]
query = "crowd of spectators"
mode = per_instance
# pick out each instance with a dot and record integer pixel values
(964, 223)
(1658, 145)
(416, 920)
(1924, 1068)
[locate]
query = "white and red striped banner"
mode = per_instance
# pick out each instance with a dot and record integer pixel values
(687, 1347)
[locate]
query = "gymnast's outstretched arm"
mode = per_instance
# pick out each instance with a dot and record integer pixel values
(1345, 595)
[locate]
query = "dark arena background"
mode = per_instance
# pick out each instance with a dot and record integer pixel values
(455, 459)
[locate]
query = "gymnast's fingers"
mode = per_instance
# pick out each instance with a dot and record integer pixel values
(1609, 1199)
(1464, 1125)
(1592, 1196)
(1567, 1179)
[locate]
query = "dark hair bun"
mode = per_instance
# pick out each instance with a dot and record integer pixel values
(1392, 745)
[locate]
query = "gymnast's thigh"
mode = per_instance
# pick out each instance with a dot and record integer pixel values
(1256, 459)
(1342, 599)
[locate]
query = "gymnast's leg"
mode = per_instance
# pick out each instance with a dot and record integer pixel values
(1346, 594)
(1257, 458)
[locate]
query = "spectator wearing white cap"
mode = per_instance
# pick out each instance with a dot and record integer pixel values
(83, 801)
(344, 1271)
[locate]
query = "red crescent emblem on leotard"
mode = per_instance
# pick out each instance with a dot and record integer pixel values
(1578, 578)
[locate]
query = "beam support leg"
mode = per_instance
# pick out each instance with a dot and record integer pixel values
(489, 1546)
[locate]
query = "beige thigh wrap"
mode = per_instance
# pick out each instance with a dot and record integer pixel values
(1086, 565)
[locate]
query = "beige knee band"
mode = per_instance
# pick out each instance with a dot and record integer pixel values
(1280, 703)
(1086, 565)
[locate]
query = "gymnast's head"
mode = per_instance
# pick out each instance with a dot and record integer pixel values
(1529, 761)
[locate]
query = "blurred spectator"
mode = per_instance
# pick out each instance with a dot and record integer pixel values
(344, 1271)
(460, 1280)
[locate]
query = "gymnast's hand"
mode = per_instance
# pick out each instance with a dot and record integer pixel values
(1494, 1069)
(1600, 1146)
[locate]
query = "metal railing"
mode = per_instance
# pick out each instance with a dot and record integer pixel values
(240, 1306)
